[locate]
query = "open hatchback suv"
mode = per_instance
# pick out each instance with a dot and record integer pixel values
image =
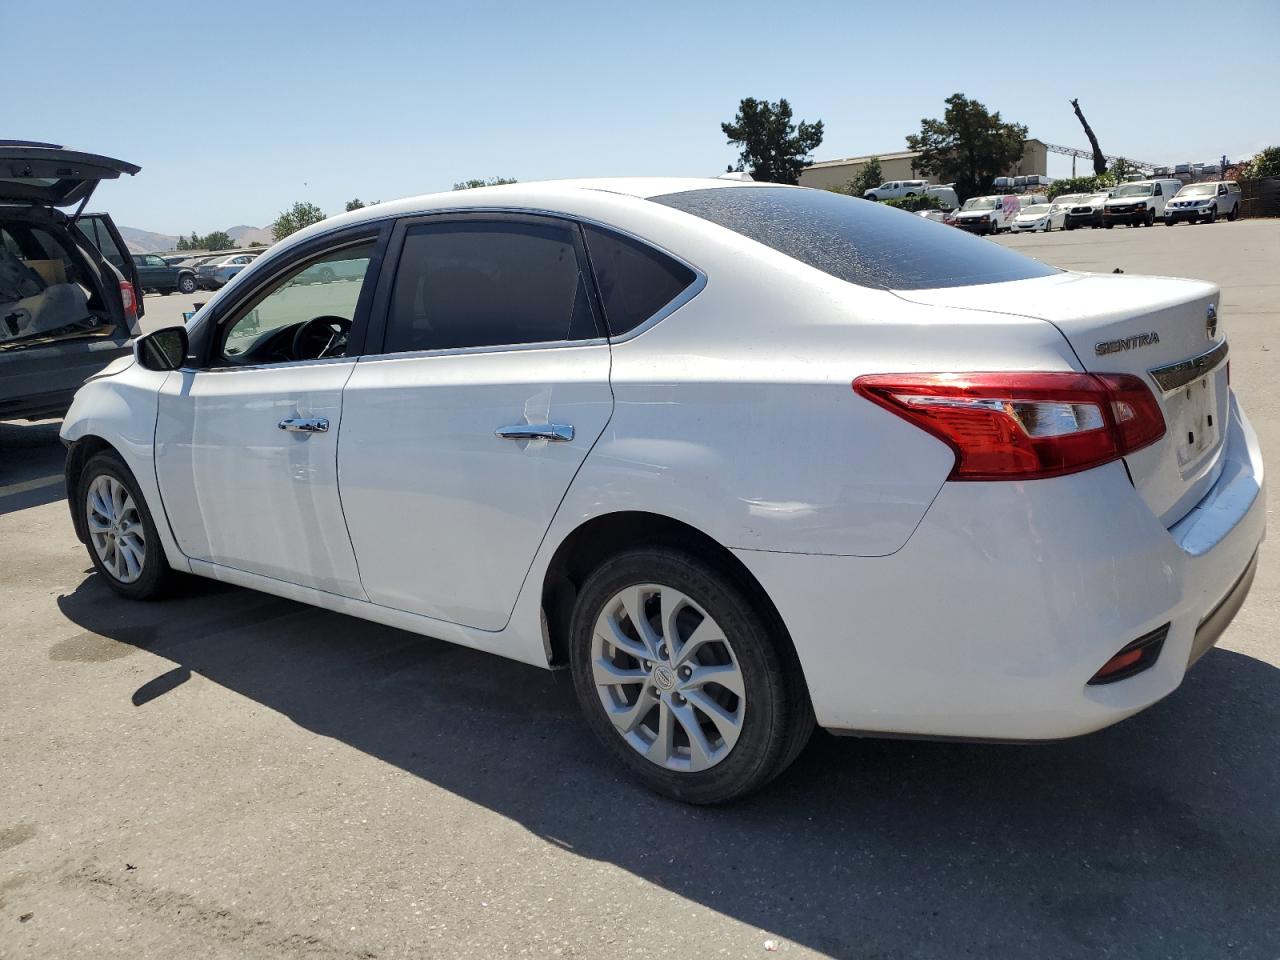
(69, 292)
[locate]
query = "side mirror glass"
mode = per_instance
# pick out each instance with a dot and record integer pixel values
(162, 350)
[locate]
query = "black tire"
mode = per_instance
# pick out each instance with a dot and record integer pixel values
(327, 275)
(1108, 226)
(1213, 216)
(778, 719)
(1235, 212)
(872, 197)
(1168, 221)
(1151, 219)
(156, 575)
(186, 284)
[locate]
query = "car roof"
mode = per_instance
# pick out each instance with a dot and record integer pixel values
(530, 195)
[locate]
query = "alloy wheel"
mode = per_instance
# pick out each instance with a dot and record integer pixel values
(115, 528)
(668, 678)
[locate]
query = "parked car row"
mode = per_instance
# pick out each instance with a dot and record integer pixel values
(1139, 203)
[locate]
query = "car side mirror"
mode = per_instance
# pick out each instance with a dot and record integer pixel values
(162, 350)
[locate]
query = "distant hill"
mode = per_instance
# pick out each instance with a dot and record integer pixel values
(147, 241)
(244, 236)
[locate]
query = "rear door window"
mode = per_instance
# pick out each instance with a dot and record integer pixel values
(865, 243)
(93, 227)
(635, 280)
(481, 283)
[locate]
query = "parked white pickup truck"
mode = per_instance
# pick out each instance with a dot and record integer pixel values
(892, 189)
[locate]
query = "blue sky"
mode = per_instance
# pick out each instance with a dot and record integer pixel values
(235, 111)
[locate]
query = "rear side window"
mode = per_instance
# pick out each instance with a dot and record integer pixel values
(636, 281)
(475, 283)
(856, 240)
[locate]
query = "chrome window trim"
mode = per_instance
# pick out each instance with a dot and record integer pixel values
(242, 368)
(1175, 376)
(488, 348)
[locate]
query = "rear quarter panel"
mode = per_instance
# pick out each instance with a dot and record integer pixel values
(736, 414)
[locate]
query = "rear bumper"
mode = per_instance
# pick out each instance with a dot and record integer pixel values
(1008, 598)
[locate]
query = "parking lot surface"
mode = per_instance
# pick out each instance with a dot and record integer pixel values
(227, 774)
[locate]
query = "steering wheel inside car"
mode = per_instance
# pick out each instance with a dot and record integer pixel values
(321, 337)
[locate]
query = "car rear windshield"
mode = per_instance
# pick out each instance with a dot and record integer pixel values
(856, 240)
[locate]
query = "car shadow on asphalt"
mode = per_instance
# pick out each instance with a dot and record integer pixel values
(1157, 837)
(31, 462)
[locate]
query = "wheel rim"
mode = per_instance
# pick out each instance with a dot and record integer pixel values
(668, 678)
(115, 528)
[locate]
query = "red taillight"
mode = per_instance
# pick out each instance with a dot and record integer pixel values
(128, 299)
(1023, 426)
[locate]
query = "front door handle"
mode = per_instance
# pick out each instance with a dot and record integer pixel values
(305, 425)
(555, 432)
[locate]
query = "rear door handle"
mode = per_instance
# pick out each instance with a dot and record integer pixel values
(554, 432)
(305, 425)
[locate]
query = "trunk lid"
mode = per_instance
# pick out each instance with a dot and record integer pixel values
(52, 175)
(1161, 329)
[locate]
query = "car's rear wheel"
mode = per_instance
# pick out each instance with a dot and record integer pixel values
(685, 678)
(187, 284)
(121, 534)
(1235, 212)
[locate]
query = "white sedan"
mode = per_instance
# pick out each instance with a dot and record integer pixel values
(1041, 216)
(742, 457)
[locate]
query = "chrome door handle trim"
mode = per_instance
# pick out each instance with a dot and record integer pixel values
(305, 425)
(554, 432)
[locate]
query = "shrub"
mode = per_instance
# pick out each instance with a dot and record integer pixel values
(1081, 185)
(924, 201)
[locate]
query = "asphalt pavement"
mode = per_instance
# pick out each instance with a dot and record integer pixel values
(227, 774)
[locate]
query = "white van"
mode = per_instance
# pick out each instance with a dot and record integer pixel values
(1139, 204)
(946, 194)
(892, 189)
(988, 214)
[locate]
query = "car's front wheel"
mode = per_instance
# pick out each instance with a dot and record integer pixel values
(120, 532)
(684, 678)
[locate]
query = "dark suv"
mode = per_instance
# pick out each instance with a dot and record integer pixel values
(156, 273)
(69, 292)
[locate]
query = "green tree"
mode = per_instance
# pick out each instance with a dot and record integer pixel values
(1265, 164)
(358, 204)
(1120, 169)
(486, 182)
(217, 240)
(300, 215)
(970, 145)
(869, 176)
(773, 149)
